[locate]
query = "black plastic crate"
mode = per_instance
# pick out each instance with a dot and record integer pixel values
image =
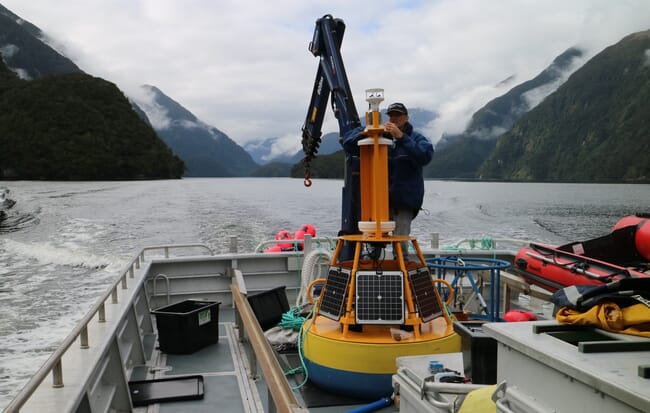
(269, 306)
(187, 326)
(479, 352)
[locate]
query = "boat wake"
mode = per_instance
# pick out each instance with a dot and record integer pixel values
(13, 221)
(48, 254)
(548, 227)
(72, 194)
(45, 289)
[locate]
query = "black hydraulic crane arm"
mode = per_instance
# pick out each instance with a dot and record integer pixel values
(331, 79)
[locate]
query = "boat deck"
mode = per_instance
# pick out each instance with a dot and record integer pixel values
(222, 366)
(228, 383)
(116, 343)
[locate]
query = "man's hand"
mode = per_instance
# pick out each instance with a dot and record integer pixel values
(394, 131)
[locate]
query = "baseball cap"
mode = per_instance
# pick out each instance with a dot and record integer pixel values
(397, 107)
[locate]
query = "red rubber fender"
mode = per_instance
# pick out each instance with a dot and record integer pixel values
(519, 315)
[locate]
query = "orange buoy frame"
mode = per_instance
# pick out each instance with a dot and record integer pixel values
(373, 153)
(361, 361)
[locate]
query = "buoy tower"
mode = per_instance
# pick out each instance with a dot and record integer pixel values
(373, 309)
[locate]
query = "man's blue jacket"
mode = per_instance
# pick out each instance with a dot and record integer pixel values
(406, 158)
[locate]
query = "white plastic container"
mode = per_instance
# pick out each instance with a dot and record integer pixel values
(418, 393)
(544, 373)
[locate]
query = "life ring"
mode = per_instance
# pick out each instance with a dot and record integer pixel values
(300, 234)
(282, 235)
(309, 229)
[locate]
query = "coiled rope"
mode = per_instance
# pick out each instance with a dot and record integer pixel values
(311, 270)
(292, 319)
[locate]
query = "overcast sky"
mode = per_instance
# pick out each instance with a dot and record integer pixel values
(243, 65)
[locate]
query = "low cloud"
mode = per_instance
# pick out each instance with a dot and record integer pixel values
(145, 98)
(243, 66)
(8, 50)
(286, 145)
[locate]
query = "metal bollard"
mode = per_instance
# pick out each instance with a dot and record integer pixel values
(435, 240)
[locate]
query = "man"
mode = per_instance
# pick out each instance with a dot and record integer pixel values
(410, 152)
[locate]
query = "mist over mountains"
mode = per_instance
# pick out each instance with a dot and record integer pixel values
(24, 49)
(525, 134)
(593, 128)
(206, 150)
(265, 150)
(460, 155)
(58, 123)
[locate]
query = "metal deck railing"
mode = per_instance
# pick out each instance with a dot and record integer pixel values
(54, 365)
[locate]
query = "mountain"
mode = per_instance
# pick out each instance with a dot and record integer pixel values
(281, 165)
(24, 49)
(205, 150)
(594, 128)
(273, 169)
(266, 150)
(57, 122)
(329, 166)
(76, 127)
(460, 155)
(330, 163)
(499, 114)
(260, 149)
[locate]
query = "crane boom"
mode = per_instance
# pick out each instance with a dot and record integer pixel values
(331, 80)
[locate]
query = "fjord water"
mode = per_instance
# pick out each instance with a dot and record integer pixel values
(63, 243)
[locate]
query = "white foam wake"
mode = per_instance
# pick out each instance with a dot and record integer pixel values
(69, 255)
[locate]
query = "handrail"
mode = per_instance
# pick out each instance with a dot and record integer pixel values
(166, 278)
(281, 393)
(488, 243)
(53, 363)
(473, 244)
(167, 248)
(320, 240)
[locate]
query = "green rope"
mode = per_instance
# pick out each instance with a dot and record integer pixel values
(294, 371)
(301, 337)
(450, 314)
(331, 244)
(292, 319)
(485, 243)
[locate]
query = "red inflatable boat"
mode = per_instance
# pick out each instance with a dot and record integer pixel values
(625, 252)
